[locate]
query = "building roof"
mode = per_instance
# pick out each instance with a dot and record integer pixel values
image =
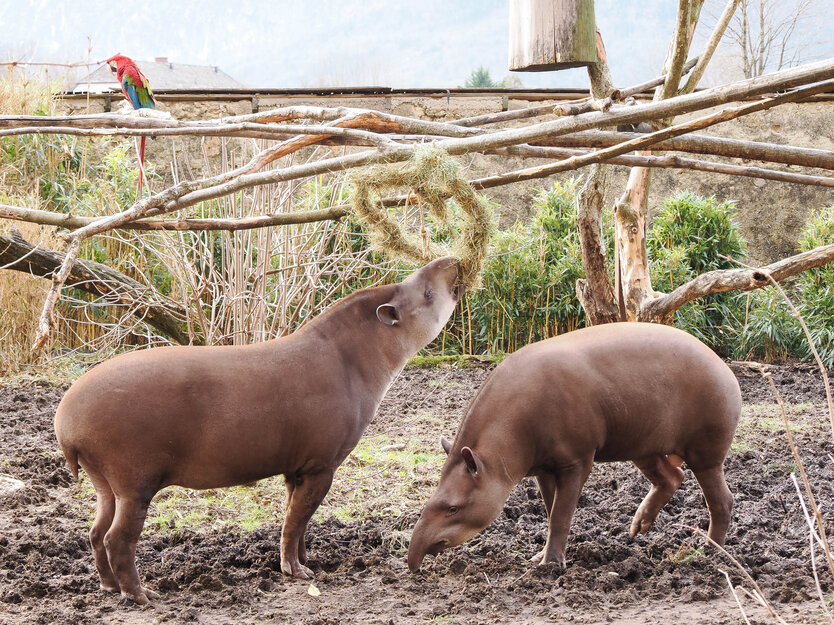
(163, 76)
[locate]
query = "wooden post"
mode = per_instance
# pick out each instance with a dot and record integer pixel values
(549, 35)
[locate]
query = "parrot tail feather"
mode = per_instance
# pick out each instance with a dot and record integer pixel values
(141, 163)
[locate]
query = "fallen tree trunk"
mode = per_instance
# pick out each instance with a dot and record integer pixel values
(166, 316)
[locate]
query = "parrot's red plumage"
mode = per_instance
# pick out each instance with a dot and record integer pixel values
(137, 90)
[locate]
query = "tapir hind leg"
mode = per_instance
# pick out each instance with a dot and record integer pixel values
(120, 542)
(665, 478)
(308, 491)
(569, 482)
(719, 500)
(105, 509)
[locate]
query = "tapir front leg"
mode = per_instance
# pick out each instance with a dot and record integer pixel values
(569, 482)
(547, 487)
(308, 491)
(302, 547)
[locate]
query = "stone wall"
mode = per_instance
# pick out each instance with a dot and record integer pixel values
(771, 214)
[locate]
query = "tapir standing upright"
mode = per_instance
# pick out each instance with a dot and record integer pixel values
(207, 417)
(623, 391)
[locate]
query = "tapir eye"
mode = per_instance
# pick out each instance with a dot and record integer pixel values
(453, 510)
(429, 293)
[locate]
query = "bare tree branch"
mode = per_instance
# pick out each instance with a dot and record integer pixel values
(662, 308)
(60, 220)
(649, 139)
(673, 67)
(705, 144)
(669, 161)
(710, 47)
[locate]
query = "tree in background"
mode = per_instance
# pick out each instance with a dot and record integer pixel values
(769, 35)
(481, 79)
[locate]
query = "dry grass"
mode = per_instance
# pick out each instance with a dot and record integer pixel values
(21, 300)
(237, 287)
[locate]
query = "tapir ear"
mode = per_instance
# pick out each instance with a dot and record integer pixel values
(446, 444)
(388, 314)
(473, 463)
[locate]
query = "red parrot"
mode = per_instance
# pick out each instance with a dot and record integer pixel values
(136, 88)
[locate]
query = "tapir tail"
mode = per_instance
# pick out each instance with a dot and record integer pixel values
(72, 460)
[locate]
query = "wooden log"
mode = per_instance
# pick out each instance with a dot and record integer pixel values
(704, 144)
(662, 308)
(550, 35)
(166, 316)
(669, 161)
(61, 220)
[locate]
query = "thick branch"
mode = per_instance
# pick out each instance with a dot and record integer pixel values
(626, 115)
(669, 161)
(19, 255)
(650, 139)
(602, 85)
(594, 292)
(261, 122)
(677, 54)
(663, 307)
(60, 220)
(704, 144)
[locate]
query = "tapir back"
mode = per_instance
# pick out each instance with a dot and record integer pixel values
(626, 390)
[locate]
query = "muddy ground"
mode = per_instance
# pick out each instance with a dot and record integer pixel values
(233, 576)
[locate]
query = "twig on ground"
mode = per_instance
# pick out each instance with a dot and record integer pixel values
(812, 538)
(735, 596)
(757, 593)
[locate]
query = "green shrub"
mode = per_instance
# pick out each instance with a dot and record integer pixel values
(702, 228)
(529, 280)
(771, 331)
(816, 289)
(691, 235)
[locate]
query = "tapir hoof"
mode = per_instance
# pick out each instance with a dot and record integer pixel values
(541, 558)
(297, 570)
(639, 526)
(143, 597)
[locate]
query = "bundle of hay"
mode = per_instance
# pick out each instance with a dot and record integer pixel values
(434, 177)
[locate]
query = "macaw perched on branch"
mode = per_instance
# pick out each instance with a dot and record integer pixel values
(136, 88)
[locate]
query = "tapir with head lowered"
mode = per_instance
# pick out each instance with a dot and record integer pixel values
(207, 417)
(642, 392)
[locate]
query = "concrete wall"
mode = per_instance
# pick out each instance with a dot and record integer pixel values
(771, 214)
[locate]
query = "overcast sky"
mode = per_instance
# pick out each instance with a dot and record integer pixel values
(308, 43)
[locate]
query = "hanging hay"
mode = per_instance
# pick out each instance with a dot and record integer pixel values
(433, 176)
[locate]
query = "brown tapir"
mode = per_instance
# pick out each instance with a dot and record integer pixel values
(206, 417)
(624, 391)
